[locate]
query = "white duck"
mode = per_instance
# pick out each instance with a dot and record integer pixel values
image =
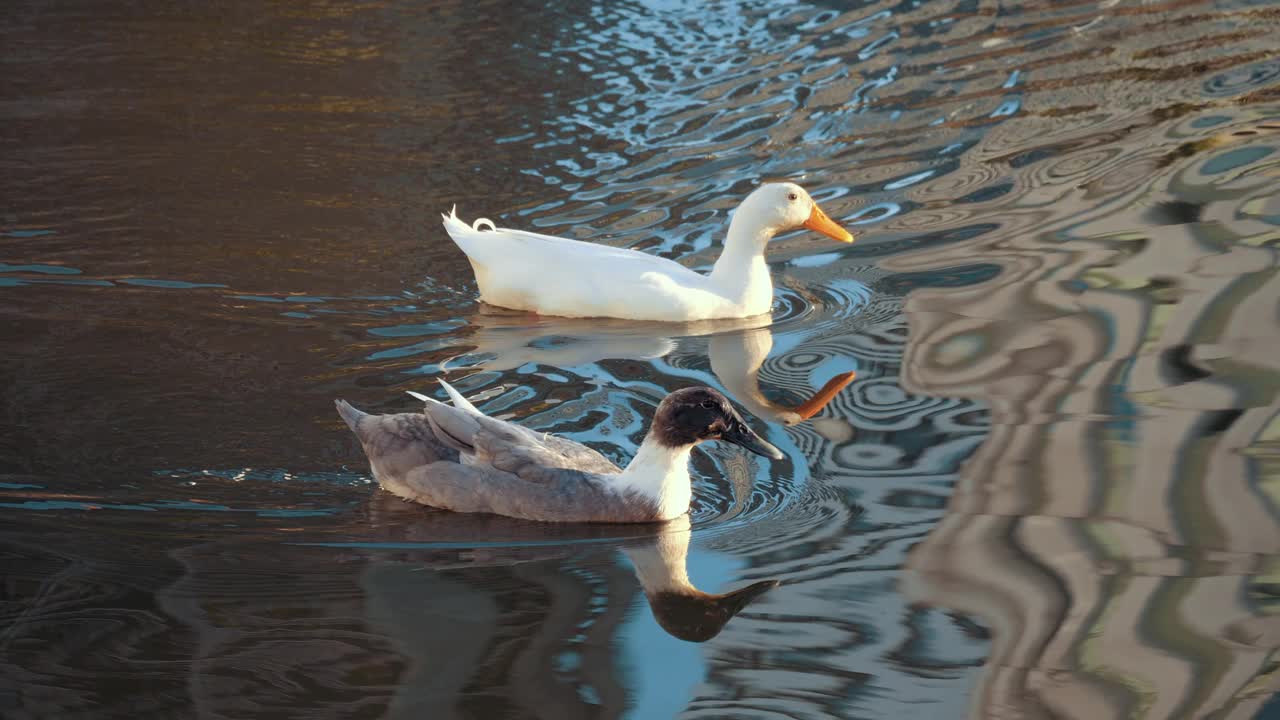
(557, 276)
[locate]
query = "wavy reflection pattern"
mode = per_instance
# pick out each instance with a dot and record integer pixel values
(1004, 140)
(1119, 528)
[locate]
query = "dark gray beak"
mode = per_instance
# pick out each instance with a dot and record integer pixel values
(741, 435)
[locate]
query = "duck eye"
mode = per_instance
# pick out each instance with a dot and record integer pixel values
(792, 196)
(707, 404)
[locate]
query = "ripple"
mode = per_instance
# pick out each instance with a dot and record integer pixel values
(1242, 79)
(964, 180)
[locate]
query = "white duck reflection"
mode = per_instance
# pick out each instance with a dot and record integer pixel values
(736, 359)
(736, 348)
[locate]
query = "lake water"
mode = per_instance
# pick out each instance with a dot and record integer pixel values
(1053, 489)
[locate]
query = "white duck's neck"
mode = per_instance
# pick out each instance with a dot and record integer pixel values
(660, 473)
(741, 274)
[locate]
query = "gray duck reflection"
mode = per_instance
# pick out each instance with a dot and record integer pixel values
(736, 348)
(419, 612)
(684, 611)
(658, 554)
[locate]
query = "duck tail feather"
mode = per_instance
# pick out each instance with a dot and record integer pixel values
(457, 227)
(422, 397)
(452, 426)
(453, 224)
(350, 415)
(459, 401)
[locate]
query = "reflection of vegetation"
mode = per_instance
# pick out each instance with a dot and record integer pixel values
(903, 283)
(1143, 519)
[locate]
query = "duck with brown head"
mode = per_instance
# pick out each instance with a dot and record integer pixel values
(456, 458)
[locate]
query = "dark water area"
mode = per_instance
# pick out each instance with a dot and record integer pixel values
(1052, 490)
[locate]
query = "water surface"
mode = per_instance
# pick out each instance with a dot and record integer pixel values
(1050, 492)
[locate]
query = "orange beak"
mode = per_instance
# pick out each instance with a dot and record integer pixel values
(828, 391)
(819, 222)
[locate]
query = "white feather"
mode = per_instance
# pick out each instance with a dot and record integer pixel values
(660, 474)
(459, 401)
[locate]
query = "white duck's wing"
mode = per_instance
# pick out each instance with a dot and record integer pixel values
(500, 246)
(571, 278)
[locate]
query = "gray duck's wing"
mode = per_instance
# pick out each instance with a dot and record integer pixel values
(545, 494)
(486, 441)
(395, 443)
(510, 470)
